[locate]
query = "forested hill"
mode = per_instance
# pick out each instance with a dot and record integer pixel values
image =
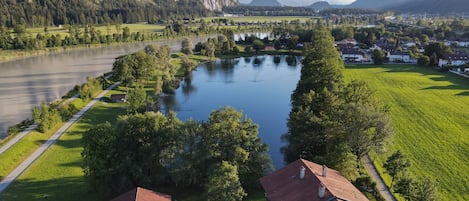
(56, 12)
(434, 6)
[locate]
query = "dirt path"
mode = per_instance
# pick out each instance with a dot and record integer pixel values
(382, 188)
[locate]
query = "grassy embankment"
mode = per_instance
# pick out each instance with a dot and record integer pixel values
(430, 114)
(14, 156)
(58, 173)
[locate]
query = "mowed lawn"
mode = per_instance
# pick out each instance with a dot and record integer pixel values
(58, 174)
(430, 113)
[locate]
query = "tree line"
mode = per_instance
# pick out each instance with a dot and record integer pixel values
(47, 116)
(39, 13)
(86, 35)
(332, 122)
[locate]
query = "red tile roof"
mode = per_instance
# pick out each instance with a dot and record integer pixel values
(286, 185)
(142, 194)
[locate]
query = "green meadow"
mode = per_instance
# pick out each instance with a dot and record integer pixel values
(261, 18)
(430, 113)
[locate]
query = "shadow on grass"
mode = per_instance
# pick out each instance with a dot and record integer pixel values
(447, 87)
(67, 188)
(63, 143)
(466, 93)
(72, 164)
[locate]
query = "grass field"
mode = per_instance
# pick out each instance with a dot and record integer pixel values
(261, 18)
(430, 113)
(110, 29)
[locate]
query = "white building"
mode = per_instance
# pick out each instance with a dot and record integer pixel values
(399, 57)
(453, 60)
(352, 55)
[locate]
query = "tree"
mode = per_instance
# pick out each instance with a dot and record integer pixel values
(98, 152)
(366, 125)
(187, 65)
(137, 100)
(186, 46)
(423, 60)
(396, 165)
(425, 190)
(257, 45)
(223, 184)
(379, 57)
(405, 187)
(435, 51)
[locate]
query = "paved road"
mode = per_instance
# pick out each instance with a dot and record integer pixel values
(382, 188)
(17, 138)
(26, 163)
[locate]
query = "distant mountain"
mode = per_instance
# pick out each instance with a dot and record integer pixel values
(320, 5)
(268, 3)
(433, 6)
(377, 3)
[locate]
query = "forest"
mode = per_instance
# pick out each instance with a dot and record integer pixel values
(37, 13)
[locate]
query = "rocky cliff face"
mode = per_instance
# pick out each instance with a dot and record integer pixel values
(217, 5)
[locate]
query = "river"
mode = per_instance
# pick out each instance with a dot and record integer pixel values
(25, 83)
(259, 86)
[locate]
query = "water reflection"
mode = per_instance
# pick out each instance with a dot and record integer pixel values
(26, 83)
(259, 86)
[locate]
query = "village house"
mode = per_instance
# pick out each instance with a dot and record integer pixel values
(142, 194)
(118, 98)
(305, 180)
(399, 57)
(352, 55)
(453, 60)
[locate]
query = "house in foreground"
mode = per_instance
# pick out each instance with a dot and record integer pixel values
(142, 194)
(304, 180)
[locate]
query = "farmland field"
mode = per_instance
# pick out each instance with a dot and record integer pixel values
(262, 18)
(430, 113)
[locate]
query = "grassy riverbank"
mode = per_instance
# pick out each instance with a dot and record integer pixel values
(26, 146)
(58, 174)
(431, 119)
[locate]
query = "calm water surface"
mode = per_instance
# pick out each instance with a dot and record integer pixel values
(26, 83)
(259, 86)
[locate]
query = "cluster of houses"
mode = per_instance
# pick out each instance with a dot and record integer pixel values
(299, 181)
(351, 53)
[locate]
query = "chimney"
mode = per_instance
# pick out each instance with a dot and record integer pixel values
(324, 170)
(302, 172)
(322, 191)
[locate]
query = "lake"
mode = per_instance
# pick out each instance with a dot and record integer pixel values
(25, 83)
(260, 86)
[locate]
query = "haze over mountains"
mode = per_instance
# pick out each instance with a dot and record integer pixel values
(406, 6)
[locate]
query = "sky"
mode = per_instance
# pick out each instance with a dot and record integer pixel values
(305, 2)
